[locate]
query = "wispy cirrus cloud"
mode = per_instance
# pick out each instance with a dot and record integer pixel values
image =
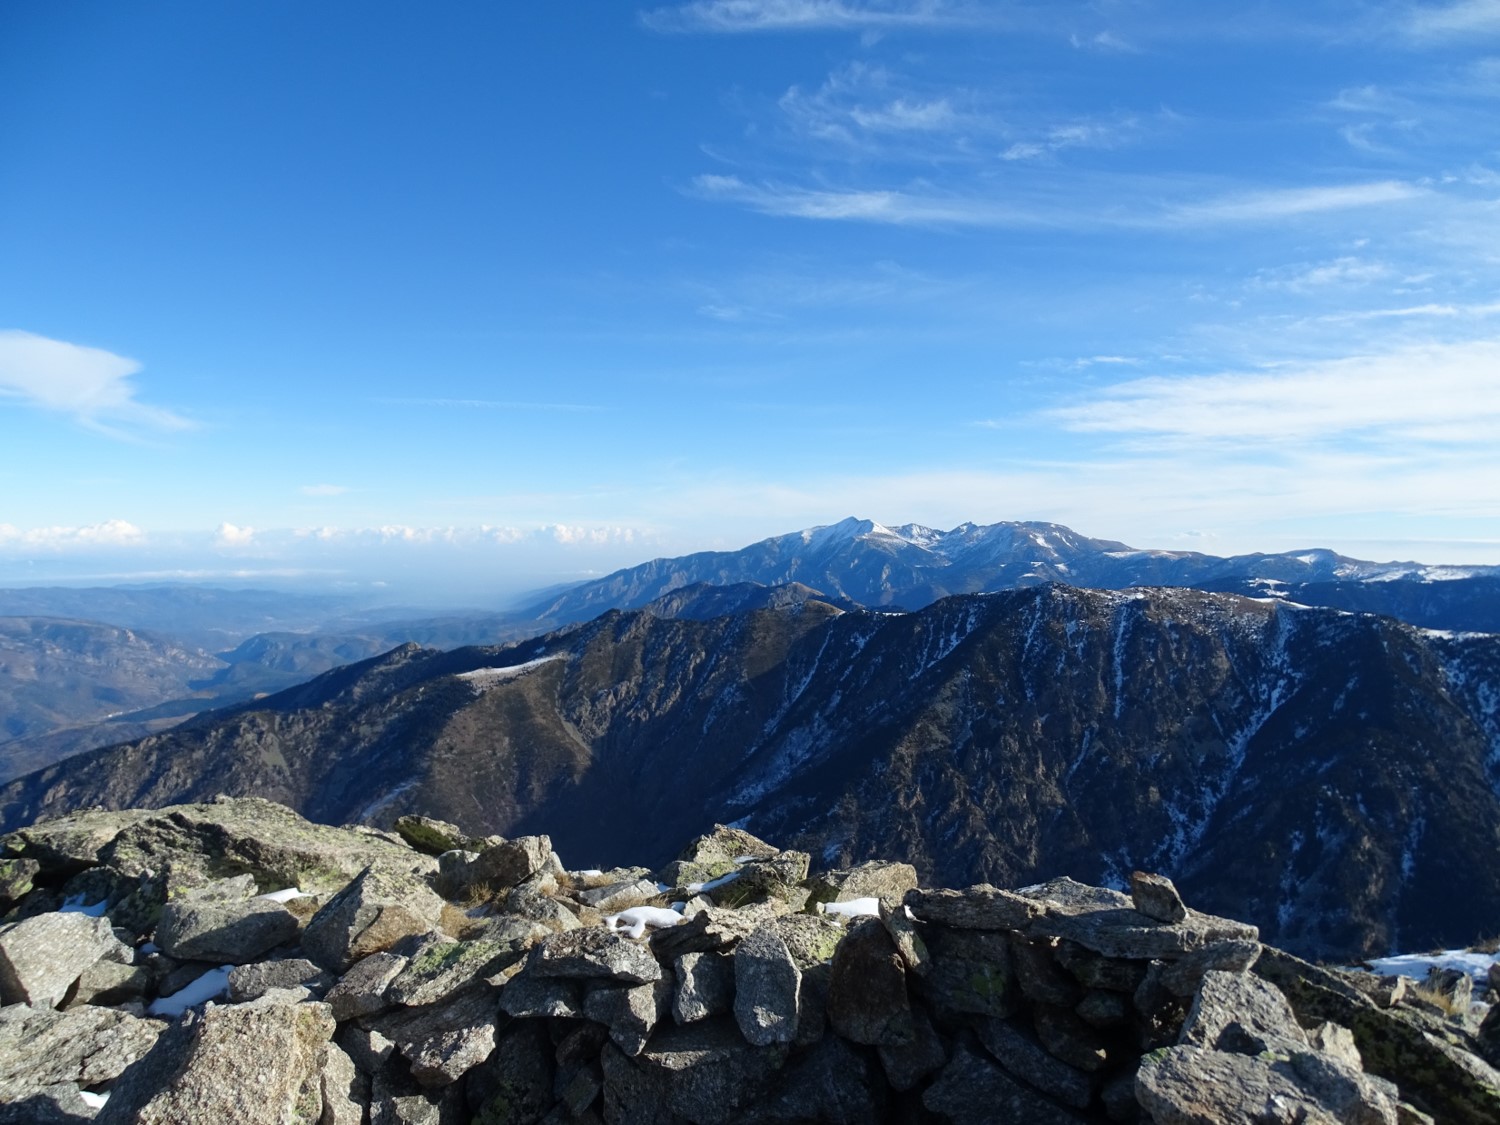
(92, 385)
(1446, 21)
(907, 208)
(729, 16)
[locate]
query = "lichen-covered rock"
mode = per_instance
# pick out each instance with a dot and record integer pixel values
(902, 927)
(371, 914)
(439, 968)
(233, 932)
(16, 880)
(867, 1000)
(362, 990)
(248, 1063)
(980, 907)
(876, 879)
(513, 1085)
(971, 973)
(87, 1046)
(529, 996)
(766, 986)
(41, 957)
(593, 954)
(109, 982)
(1041, 979)
(504, 865)
(434, 837)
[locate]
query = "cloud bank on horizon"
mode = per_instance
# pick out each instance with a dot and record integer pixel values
(496, 298)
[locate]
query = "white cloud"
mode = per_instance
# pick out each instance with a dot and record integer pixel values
(324, 489)
(1075, 134)
(228, 535)
(92, 385)
(1448, 394)
(1286, 203)
(110, 533)
(902, 208)
(806, 15)
(1302, 278)
(1466, 17)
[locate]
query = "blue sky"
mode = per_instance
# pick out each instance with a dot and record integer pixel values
(474, 297)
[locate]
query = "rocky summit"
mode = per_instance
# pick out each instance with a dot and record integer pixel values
(1332, 778)
(232, 962)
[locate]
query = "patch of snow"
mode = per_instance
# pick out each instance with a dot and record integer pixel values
(854, 908)
(712, 884)
(285, 895)
(148, 947)
(75, 905)
(209, 986)
(745, 858)
(93, 1100)
(589, 872)
(1477, 965)
(633, 922)
(481, 678)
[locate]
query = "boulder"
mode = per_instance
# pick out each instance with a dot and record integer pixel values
(1241, 1013)
(980, 907)
(344, 1090)
(529, 996)
(971, 973)
(614, 897)
(629, 1011)
(703, 1072)
(867, 1001)
(902, 927)
(371, 914)
(86, 1046)
(705, 986)
(16, 879)
(109, 983)
(504, 865)
(593, 954)
(439, 968)
(362, 990)
(766, 986)
(434, 837)
(1041, 979)
(877, 879)
(442, 1041)
(250, 982)
(41, 957)
(247, 1063)
(1025, 1058)
(1188, 1085)
(906, 1065)
(972, 1089)
(514, 1084)
(236, 932)
(1156, 897)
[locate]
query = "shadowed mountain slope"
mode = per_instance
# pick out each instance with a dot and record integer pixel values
(1330, 777)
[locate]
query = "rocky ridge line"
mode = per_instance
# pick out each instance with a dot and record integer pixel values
(231, 961)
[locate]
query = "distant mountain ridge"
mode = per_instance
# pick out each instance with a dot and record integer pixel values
(1333, 777)
(913, 566)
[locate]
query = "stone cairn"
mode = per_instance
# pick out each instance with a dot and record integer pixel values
(149, 974)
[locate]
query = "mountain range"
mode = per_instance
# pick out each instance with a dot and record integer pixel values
(1329, 776)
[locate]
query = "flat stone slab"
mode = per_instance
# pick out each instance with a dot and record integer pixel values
(41, 957)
